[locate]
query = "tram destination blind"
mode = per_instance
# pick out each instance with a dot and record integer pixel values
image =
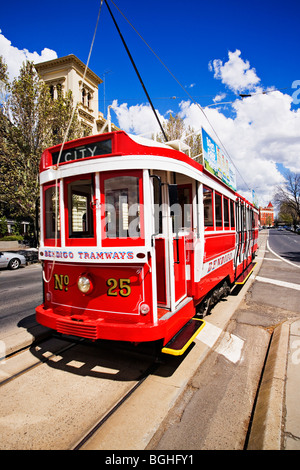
(84, 151)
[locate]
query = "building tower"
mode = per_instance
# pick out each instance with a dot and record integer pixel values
(66, 73)
(266, 215)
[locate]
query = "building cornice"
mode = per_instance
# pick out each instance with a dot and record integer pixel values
(71, 60)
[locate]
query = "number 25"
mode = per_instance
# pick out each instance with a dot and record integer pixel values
(124, 287)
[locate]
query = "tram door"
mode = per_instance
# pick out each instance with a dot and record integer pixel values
(240, 234)
(243, 234)
(170, 247)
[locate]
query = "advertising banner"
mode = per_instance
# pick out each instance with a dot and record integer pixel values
(216, 162)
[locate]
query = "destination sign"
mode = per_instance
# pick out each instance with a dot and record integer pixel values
(84, 151)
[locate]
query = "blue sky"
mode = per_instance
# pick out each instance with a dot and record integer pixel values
(216, 50)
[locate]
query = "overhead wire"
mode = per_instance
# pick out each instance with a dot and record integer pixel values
(74, 109)
(136, 70)
(184, 89)
(62, 147)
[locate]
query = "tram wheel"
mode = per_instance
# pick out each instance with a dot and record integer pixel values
(204, 307)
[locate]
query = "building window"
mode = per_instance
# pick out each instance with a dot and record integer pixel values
(59, 90)
(83, 96)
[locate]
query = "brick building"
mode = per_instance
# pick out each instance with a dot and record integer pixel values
(266, 215)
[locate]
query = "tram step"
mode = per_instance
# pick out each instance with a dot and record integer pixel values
(245, 274)
(181, 341)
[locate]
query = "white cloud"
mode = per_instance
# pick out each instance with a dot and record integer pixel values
(138, 119)
(219, 97)
(265, 131)
(14, 57)
(235, 73)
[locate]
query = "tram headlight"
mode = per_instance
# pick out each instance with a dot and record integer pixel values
(144, 309)
(85, 284)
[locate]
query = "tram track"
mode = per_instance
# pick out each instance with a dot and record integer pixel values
(38, 362)
(84, 440)
(61, 399)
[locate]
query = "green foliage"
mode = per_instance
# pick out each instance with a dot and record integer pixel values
(176, 130)
(12, 238)
(30, 121)
(3, 226)
(287, 198)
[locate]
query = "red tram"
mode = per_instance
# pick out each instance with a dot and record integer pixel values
(143, 237)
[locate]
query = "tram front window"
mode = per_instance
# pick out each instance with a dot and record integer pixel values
(122, 207)
(80, 212)
(51, 212)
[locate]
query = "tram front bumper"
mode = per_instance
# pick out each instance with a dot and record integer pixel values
(81, 326)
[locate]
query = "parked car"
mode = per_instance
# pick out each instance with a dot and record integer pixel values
(11, 260)
(31, 255)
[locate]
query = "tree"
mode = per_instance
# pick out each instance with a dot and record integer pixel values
(30, 122)
(287, 197)
(175, 129)
(61, 113)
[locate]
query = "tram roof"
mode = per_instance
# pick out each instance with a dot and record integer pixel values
(121, 143)
(125, 144)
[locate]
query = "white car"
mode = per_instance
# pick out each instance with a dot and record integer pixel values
(11, 260)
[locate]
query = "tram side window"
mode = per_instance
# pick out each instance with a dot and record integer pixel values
(51, 198)
(226, 212)
(157, 206)
(244, 218)
(218, 209)
(232, 222)
(253, 219)
(81, 223)
(208, 207)
(185, 202)
(122, 207)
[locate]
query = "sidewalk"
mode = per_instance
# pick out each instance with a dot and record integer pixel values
(276, 422)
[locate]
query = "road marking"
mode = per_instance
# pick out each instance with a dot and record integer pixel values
(276, 282)
(231, 346)
(289, 262)
(209, 334)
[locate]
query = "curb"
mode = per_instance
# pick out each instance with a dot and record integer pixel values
(267, 425)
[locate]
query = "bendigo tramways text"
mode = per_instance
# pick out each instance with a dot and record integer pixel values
(135, 239)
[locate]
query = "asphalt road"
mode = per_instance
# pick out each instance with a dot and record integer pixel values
(20, 293)
(285, 244)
